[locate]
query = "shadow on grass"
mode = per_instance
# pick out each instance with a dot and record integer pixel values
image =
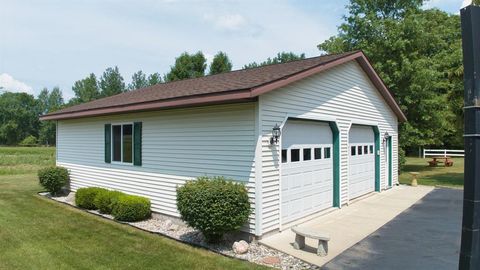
(422, 168)
(447, 179)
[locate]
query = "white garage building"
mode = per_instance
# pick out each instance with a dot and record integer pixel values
(338, 141)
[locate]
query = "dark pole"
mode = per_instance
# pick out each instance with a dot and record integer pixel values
(470, 248)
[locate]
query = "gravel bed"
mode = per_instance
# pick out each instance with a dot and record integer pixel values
(163, 225)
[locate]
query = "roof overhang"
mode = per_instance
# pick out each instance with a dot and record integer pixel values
(238, 95)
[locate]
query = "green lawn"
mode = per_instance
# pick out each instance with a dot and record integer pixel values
(433, 176)
(37, 233)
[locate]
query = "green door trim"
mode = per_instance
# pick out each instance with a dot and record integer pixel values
(390, 163)
(376, 132)
(336, 163)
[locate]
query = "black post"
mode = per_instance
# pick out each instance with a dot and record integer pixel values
(470, 249)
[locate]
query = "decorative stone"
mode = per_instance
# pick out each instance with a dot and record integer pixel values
(240, 247)
(168, 223)
(173, 227)
(271, 260)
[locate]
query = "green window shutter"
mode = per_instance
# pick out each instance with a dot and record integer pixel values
(108, 143)
(137, 143)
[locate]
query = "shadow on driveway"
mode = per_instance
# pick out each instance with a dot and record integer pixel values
(425, 236)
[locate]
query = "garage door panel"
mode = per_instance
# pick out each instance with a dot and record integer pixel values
(307, 179)
(361, 161)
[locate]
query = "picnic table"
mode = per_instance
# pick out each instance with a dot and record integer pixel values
(446, 160)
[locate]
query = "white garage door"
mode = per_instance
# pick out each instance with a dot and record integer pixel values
(361, 161)
(307, 169)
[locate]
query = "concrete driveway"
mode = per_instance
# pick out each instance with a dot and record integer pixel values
(402, 228)
(425, 236)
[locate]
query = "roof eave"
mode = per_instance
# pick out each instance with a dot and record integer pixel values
(212, 99)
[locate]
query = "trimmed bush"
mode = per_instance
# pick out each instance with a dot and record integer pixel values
(85, 197)
(131, 208)
(53, 179)
(213, 205)
(105, 200)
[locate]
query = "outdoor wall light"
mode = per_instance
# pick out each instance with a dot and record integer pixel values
(276, 132)
(385, 137)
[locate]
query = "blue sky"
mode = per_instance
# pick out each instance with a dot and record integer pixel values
(54, 43)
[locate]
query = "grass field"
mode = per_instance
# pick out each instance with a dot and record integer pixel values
(37, 233)
(25, 160)
(433, 176)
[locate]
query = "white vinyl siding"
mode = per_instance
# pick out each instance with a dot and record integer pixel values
(344, 93)
(177, 145)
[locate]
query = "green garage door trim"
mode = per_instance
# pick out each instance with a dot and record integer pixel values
(336, 164)
(390, 163)
(376, 132)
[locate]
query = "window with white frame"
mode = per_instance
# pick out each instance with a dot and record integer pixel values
(122, 143)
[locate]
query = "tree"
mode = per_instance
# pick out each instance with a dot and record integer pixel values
(154, 78)
(48, 102)
(111, 82)
(418, 55)
(139, 80)
(187, 66)
(221, 63)
(42, 101)
(86, 90)
(18, 117)
(55, 100)
(282, 57)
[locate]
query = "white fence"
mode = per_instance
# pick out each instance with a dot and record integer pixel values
(443, 152)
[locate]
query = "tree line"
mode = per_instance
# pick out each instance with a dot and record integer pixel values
(19, 112)
(416, 51)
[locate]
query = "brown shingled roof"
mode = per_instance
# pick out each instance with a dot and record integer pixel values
(232, 86)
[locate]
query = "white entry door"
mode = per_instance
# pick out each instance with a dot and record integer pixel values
(361, 161)
(307, 169)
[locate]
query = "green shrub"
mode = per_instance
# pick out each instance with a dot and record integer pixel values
(131, 208)
(53, 179)
(85, 197)
(213, 205)
(30, 140)
(105, 200)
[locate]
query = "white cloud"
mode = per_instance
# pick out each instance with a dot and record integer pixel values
(8, 83)
(231, 23)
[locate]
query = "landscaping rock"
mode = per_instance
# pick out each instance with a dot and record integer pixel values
(173, 227)
(168, 223)
(240, 247)
(271, 260)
